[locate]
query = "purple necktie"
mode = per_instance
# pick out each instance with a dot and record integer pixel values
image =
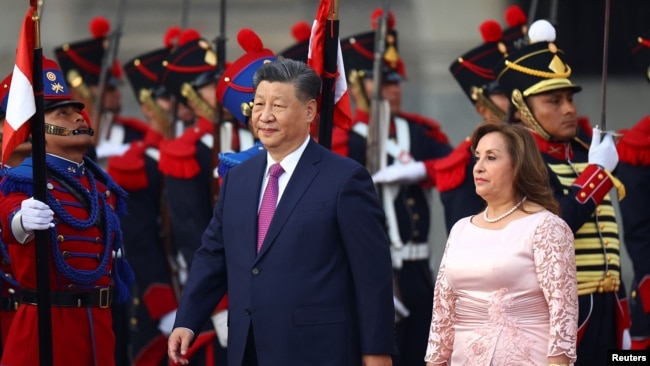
(269, 201)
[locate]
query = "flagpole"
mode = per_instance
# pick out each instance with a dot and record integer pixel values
(330, 55)
(40, 193)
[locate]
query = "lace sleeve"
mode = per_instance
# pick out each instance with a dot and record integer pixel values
(556, 273)
(441, 334)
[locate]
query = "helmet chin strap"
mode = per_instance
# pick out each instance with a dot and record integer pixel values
(62, 131)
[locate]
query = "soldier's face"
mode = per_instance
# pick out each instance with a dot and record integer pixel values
(391, 92)
(70, 117)
(209, 94)
(556, 113)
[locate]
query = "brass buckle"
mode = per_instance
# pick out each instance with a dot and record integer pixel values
(104, 297)
(608, 285)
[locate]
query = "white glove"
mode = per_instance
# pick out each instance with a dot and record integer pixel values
(401, 311)
(401, 173)
(627, 340)
(166, 323)
(603, 152)
(36, 215)
(33, 215)
(220, 323)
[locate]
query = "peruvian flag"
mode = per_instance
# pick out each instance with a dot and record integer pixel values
(316, 57)
(21, 105)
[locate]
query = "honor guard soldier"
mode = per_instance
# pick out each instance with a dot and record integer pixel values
(186, 162)
(155, 294)
(634, 171)
(88, 270)
(412, 138)
(536, 77)
(81, 63)
(9, 287)
(473, 71)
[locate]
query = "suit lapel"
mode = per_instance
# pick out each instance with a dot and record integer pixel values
(305, 173)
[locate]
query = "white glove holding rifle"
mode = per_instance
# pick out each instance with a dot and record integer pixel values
(408, 173)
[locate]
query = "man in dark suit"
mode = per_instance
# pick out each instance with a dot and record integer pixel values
(316, 289)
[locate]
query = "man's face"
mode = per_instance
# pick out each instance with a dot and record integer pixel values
(185, 113)
(112, 99)
(209, 94)
(499, 100)
(556, 113)
(280, 119)
(68, 116)
(391, 92)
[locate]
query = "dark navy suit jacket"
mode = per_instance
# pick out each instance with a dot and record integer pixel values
(319, 292)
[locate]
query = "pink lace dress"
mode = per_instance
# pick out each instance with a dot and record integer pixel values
(506, 297)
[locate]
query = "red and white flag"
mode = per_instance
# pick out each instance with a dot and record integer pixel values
(21, 105)
(316, 59)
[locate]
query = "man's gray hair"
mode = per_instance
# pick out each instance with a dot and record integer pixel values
(303, 77)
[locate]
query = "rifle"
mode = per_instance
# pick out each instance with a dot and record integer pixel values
(378, 126)
(376, 155)
(185, 13)
(107, 63)
(220, 46)
(177, 269)
(175, 262)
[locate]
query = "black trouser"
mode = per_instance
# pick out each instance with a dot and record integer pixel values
(600, 332)
(415, 282)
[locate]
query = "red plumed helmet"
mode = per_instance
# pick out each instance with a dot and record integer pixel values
(515, 16)
(301, 31)
(249, 40)
(99, 27)
(171, 36)
(376, 14)
(187, 36)
(491, 31)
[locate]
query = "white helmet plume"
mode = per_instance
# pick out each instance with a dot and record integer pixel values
(541, 31)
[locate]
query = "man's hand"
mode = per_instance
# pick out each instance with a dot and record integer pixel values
(377, 360)
(178, 344)
(408, 173)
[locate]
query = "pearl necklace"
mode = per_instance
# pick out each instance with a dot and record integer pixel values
(491, 221)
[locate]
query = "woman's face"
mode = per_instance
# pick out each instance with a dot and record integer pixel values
(493, 168)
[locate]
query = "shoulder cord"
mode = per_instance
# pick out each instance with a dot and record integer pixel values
(90, 203)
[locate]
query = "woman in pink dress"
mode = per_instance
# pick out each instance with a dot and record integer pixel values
(506, 290)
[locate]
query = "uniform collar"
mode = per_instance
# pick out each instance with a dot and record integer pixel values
(558, 150)
(68, 166)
